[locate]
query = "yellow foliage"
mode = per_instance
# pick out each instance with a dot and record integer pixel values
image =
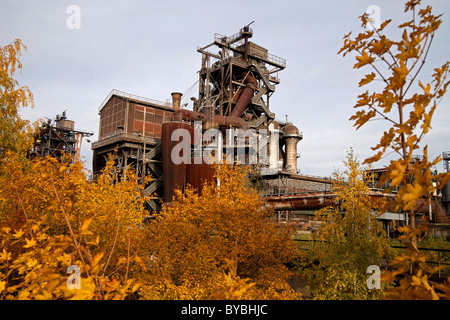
(52, 216)
(398, 64)
(14, 131)
(195, 238)
(349, 239)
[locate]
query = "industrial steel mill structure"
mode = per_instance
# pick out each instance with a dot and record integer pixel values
(237, 78)
(57, 137)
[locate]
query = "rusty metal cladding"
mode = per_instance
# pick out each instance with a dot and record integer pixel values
(187, 170)
(199, 172)
(174, 174)
(436, 209)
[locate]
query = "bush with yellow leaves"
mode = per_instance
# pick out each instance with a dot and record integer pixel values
(194, 239)
(52, 217)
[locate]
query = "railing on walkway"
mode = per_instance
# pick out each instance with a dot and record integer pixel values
(125, 95)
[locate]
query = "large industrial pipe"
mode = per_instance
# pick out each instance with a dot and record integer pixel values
(181, 114)
(204, 117)
(176, 175)
(313, 201)
(176, 100)
(246, 96)
(231, 121)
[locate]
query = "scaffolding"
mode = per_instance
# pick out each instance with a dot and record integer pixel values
(58, 137)
(130, 132)
(227, 64)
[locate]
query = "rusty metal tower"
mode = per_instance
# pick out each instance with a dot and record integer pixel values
(239, 68)
(58, 137)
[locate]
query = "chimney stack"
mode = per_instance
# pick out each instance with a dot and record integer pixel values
(176, 100)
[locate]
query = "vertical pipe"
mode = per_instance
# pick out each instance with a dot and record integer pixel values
(176, 100)
(78, 147)
(246, 49)
(429, 209)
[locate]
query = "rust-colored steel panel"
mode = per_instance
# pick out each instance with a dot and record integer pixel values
(178, 173)
(199, 172)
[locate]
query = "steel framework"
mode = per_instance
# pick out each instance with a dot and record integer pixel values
(58, 137)
(225, 75)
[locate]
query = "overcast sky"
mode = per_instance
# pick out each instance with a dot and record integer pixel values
(148, 48)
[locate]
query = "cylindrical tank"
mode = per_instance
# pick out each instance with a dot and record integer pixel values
(291, 137)
(174, 174)
(176, 100)
(275, 154)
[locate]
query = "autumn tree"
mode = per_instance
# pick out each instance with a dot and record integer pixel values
(348, 240)
(407, 103)
(53, 217)
(220, 245)
(13, 129)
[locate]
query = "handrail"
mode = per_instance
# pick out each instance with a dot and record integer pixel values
(125, 95)
(230, 41)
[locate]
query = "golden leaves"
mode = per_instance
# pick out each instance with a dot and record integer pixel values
(29, 243)
(5, 255)
(384, 24)
(396, 172)
(362, 117)
(410, 195)
(406, 133)
(140, 262)
(14, 133)
(398, 64)
(368, 78)
(85, 226)
(57, 218)
(363, 60)
(18, 234)
(193, 238)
